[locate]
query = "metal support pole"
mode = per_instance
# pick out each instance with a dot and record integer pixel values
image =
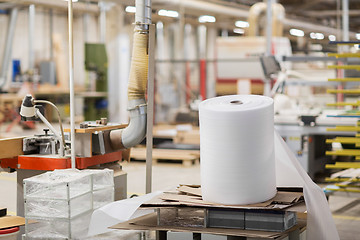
(8, 47)
(71, 77)
(31, 35)
(268, 26)
(345, 18)
(269, 17)
(51, 33)
(150, 108)
(102, 22)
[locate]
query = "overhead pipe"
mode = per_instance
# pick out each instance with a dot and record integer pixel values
(135, 132)
(205, 7)
(8, 47)
(212, 8)
(259, 9)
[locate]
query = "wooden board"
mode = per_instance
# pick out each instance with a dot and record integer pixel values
(186, 156)
(94, 129)
(11, 147)
(11, 221)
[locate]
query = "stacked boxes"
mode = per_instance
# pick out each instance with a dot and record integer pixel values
(59, 204)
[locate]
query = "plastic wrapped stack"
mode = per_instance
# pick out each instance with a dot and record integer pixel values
(59, 204)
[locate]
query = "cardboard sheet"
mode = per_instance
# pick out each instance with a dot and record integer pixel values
(11, 221)
(190, 196)
(190, 190)
(148, 222)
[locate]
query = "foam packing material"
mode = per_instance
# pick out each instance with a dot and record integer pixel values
(237, 149)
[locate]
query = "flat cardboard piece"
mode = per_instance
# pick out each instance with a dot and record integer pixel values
(283, 199)
(149, 222)
(190, 190)
(3, 211)
(11, 221)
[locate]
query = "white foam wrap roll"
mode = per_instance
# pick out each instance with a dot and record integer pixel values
(237, 149)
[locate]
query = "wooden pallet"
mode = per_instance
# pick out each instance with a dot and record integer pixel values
(188, 157)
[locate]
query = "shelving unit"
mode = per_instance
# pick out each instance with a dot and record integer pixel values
(346, 180)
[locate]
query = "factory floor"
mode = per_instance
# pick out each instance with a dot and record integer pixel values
(166, 176)
(345, 208)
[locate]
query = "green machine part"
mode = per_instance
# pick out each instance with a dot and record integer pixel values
(96, 60)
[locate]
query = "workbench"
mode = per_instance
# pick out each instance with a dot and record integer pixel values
(308, 143)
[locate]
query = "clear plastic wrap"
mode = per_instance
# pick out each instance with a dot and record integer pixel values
(58, 184)
(59, 204)
(47, 228)
(52, 208)
(103, 178)
(103, 196)
(181, 217)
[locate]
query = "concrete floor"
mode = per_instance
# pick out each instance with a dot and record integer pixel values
(166, 176)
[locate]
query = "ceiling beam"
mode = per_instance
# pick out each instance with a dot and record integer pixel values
(331, 13)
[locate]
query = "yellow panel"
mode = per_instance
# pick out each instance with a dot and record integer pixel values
(343, 165)
(343, 189)
(343, 104)
(347, 140)
(341, 179)
(345, 152)
(355, 67)
(344, 79)
(344, 55)
(344, 129)
(345, 91)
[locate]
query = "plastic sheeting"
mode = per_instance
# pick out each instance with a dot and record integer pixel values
(320, 224)
(119, 211)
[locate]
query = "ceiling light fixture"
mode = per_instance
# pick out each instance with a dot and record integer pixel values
(297, 32)
(239, 31)
(242, 24)
(332, 37)
(318, 36)
(130, 9)
(207, 18)
(168, 13)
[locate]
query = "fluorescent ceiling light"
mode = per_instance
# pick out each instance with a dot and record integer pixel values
(318, 36)
(72, 0)
(358, 36)
(207, 18)
(242, 24)
(332, 37)
(168, 13)
(297, 32)
(239, 31)
(130, 9)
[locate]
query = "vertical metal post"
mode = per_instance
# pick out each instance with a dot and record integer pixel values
(268, 26)
(345, 18)
(150, 108)
(345, 48)
(31, 35)
(202, 44)
(8, 47)
(71, 77)
(102, 22)
(51, 33)
(86, 25)
(269, 17)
